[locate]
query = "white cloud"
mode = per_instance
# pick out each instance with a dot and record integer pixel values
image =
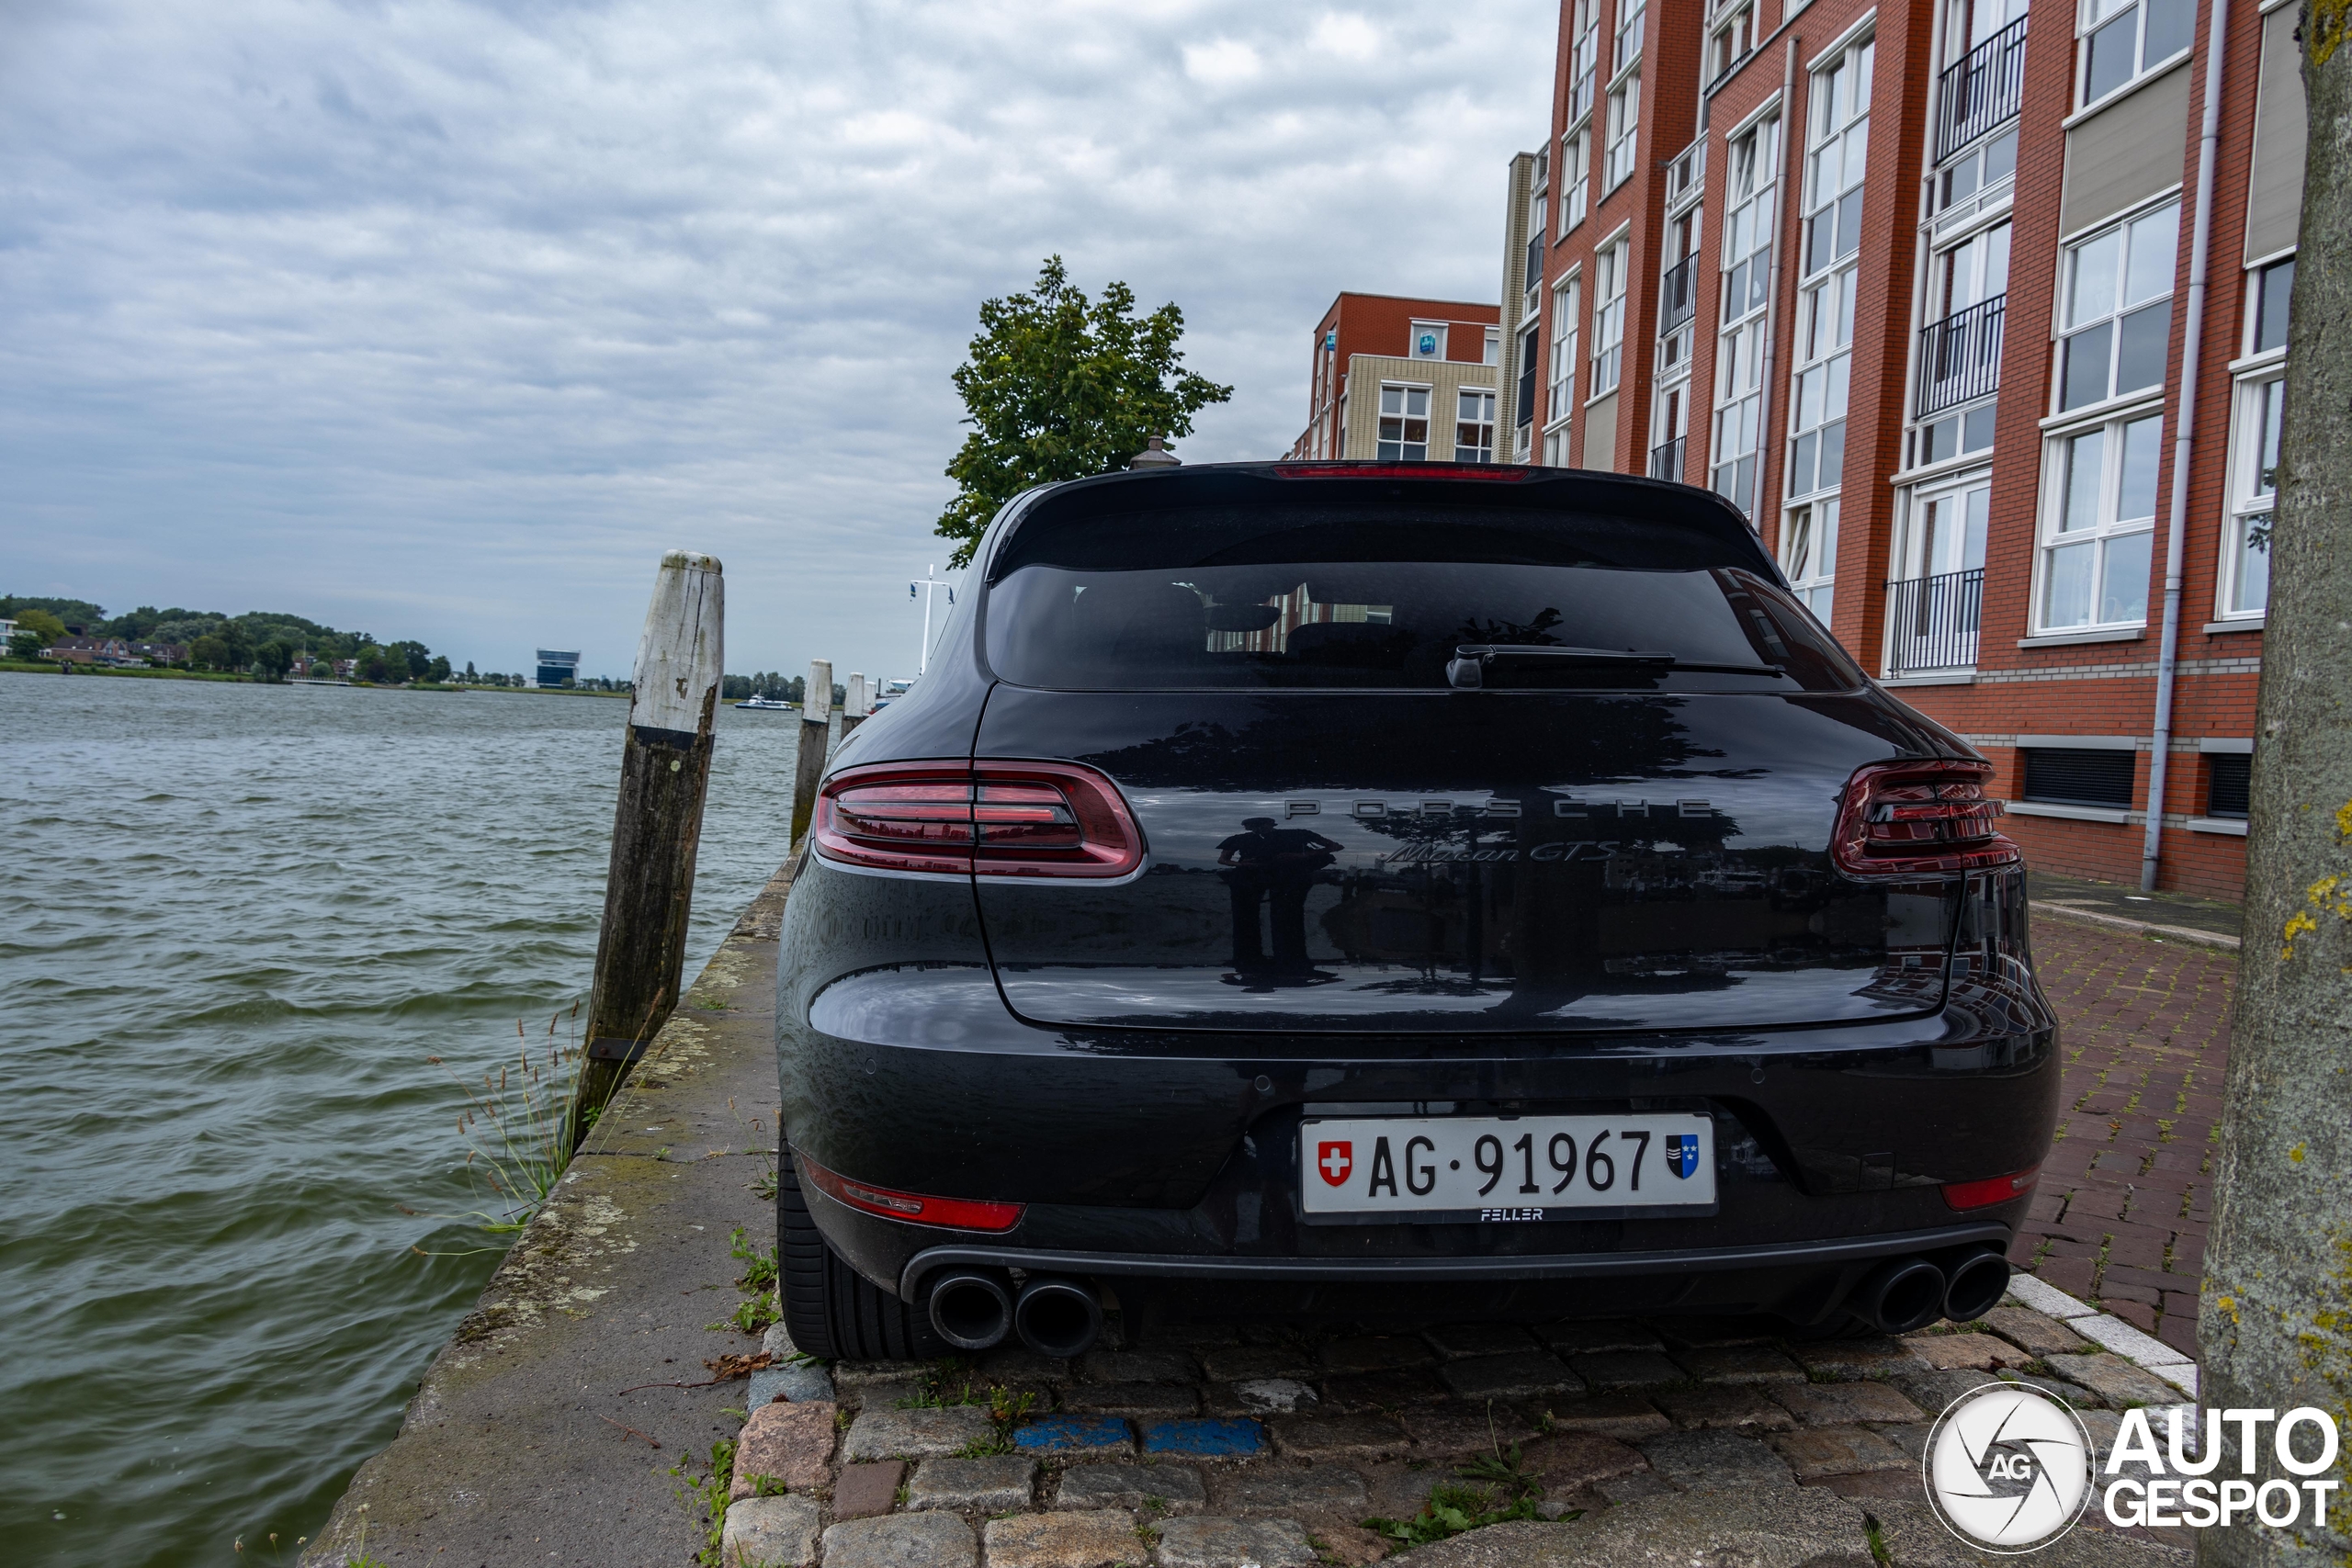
(444, 320)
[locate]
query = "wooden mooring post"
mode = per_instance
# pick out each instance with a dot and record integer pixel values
(857, 701)
(815, 732)
(657, 825)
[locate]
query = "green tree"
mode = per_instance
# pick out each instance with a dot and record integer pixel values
(26, 645)
(275, 659)
(41, 623)
(1059, 387)
(375, 664)
(439, 669)
(210, 651)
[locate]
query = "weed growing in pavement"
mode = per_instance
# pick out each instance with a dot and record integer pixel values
(1504, 1489)
(517, 1128)
(1507, 1471)
(757, 1309)
(1149, 1535)
(1006, 1410)
(710, 1494)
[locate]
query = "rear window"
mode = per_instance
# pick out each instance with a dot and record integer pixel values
(1398, 624)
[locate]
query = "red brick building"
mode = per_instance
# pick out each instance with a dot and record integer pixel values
(1915, 286)
(1415, 376)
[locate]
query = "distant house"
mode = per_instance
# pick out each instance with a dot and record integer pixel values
(109, 651)
(161, 652)
(557, 667)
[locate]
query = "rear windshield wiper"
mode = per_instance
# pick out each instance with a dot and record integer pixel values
(1471, 661)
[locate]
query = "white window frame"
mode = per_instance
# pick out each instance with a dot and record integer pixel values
(1911, 558)
(2253, 503)
(1576, 178)
(1403, 415)
(1809, 554)
(1484, 451)
(2066, 325)
(1539, 245)
(1611, 260)
(2104, 530)
(1622, 149)
(1584, 60)
(1735, 431)
(1746, 239)
(2093, 15)
(1631, 15)
(1732, 41)
(1567, 306)
(1837, 161)
(1818, 381)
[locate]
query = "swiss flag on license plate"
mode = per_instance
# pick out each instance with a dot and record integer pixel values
(1335, 1160)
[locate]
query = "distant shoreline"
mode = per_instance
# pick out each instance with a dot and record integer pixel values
(47, 667)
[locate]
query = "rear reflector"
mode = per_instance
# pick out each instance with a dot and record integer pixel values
(995, 819)
(1910, 818)
(1966, 1195)
(1508, 473)
(956, 1214)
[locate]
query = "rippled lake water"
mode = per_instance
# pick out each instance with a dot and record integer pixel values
(238, 920)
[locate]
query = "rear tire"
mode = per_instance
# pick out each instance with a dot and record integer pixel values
(831, 1311)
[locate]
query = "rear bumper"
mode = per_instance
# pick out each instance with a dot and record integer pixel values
(1117, 1265)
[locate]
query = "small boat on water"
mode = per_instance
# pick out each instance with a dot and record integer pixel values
(765, 704)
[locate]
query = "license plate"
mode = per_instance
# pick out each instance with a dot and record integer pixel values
(1502, 1168)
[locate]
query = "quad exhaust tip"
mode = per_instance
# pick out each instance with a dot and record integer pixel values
(1058, 1317)
(1902, 1295)
(1975, 1286)
(972, 1310)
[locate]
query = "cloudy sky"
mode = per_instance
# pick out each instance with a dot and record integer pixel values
(444, 320)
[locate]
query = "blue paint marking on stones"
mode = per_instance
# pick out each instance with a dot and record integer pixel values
(1071, 1434)
(1205, 1440)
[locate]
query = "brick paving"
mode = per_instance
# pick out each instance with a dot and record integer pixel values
(2126, 1195)
(1707, 1419)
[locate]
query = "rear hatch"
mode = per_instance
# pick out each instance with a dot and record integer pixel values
(1442, 754)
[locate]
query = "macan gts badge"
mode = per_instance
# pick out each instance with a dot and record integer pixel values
(1375, 892)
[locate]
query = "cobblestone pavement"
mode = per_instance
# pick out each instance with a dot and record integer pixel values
(2126, 1195)
(1219, 1447)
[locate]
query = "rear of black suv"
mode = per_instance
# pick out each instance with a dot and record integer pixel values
(1349, 891)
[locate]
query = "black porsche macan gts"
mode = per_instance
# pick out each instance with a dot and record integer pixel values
(1369, 892)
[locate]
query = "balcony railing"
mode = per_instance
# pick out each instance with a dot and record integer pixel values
(1981, 90)
(1678, 294)
(1931, 622)
(1960, 357)
(1666, 462)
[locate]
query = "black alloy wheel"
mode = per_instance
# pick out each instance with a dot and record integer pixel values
(832, 1312)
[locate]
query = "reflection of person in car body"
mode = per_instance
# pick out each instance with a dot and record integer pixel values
(1280, 860)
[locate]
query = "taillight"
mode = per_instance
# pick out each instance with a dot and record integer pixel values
(1906, 818)
(993, 818)
(915, 1208)
(1966, 1195)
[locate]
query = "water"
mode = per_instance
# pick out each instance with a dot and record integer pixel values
(238, 919)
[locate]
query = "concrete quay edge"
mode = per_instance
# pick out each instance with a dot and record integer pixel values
(520, 1443)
